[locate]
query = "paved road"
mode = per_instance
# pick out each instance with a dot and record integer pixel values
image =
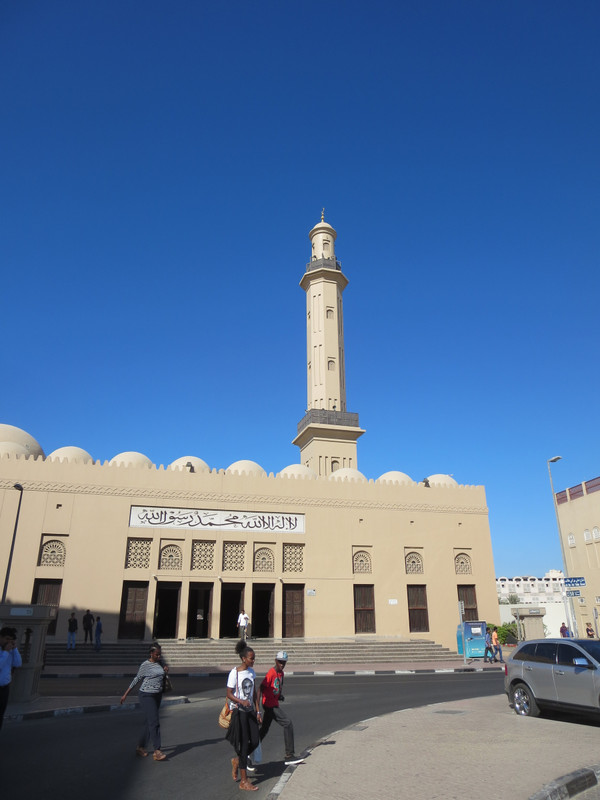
(91, 757)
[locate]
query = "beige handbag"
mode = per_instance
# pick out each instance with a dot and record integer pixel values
(225, 716)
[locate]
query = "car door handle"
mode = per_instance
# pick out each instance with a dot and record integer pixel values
(529, 669)
(560, 672)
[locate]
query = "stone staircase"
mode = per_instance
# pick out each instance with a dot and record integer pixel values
(301, 652)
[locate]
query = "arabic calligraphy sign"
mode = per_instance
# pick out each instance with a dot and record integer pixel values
(195, 518)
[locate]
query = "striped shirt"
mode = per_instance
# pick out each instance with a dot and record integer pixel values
(151, 675)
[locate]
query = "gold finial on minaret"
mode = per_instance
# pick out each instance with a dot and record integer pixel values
(323, 215)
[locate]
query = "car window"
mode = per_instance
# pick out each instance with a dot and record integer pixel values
(566, 654)
(592, 647)
(545, 653)
(525, 653)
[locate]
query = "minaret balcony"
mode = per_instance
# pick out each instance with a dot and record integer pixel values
(324, 263)
(320, 416)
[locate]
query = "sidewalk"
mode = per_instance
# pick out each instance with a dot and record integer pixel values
(441, 751)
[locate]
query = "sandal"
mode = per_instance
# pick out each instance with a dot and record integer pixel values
(141, 752)
(249, 787)
(235, 763)
(158, 755)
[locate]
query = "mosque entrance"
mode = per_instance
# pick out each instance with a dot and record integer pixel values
(166, 609)
(293, 610)
(262, 610)
(199, 608)
(232, 602)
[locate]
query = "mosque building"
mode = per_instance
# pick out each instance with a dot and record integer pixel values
(317, 550)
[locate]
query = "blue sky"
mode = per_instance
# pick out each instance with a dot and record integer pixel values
(162, 166)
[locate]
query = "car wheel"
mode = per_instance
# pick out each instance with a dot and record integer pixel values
(523, 701)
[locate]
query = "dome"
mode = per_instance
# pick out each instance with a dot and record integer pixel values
(9, 433)
(347, 472)
(184, 463)
(251, 467)
(131, 458)
(441, 480)
(71, 454)
(298, 471)
(13, 449)
(394, 477)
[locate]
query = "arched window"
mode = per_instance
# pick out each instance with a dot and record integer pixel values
(361, 562)
(264, 560)
(53, 554)
(462, 564)
(170, 557)
(414, 564)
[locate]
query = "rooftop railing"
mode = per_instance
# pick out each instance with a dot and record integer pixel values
(320, 416)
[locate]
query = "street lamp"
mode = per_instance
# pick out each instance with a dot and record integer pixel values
(12, 544)
(567, 601)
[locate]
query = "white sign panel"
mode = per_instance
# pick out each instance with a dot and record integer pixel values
(199, 519)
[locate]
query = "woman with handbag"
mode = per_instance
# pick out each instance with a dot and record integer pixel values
(242, 695)
(152, 673)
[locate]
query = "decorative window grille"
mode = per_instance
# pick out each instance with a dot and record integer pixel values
(203, 555)
(233, 556)
(596, 533)
(293, 558)
(264, 560)
(53, 554)
(571, 540)
(170, 557)
(587, 536)
(361, 562)
(138, 553)
(414, 564)
(462, 564)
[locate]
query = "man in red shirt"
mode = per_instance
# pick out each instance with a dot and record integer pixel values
(272, 694)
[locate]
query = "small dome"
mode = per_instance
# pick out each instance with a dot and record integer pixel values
(185, 462)
(13, 449)
(298, 471)
(71, 454)
(441, 480)
(131, 458)
(347, 472)
(250, 467)
(9, 433)
(394, 477)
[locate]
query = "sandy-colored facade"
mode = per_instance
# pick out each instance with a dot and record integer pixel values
(578, 511)
(314, 551)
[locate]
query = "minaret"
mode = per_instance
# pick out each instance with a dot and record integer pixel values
(327, 434)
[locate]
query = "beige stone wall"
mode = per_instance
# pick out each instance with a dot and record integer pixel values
(86, 508)
(579, 515)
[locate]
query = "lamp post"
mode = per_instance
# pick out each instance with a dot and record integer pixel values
(12, 544)
(571, 621)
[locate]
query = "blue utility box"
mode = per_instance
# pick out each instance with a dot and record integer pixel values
(474, 635)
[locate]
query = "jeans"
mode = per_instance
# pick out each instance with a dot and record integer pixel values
(150, 703)
(498, 651)
(281, 718)
(71, 640)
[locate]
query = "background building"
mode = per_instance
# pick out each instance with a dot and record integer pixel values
(527, 590)
(316, 550)
(578, 510)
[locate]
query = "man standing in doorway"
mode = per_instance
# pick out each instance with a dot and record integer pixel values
(242, 624)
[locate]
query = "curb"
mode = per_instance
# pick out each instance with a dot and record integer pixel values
(569, 785)
(75, 710)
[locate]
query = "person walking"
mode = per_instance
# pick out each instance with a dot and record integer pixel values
(10, 659)
(88, 626)
(488, 654)
(242, 623)
(72, 631)
(98, 644)
(272, 695)
(243, 733)
(496, 646)
(152, 675)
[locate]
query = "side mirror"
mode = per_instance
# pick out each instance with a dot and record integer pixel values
(582, 662)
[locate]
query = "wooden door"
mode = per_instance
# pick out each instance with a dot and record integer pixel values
(364, 608)
(418, 615)
(293, 611)
(467, 594)
(132, 619)
(47, 593)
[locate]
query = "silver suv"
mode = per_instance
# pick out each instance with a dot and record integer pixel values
(554, 673)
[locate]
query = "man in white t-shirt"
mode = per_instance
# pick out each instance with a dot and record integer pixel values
(242, 623)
